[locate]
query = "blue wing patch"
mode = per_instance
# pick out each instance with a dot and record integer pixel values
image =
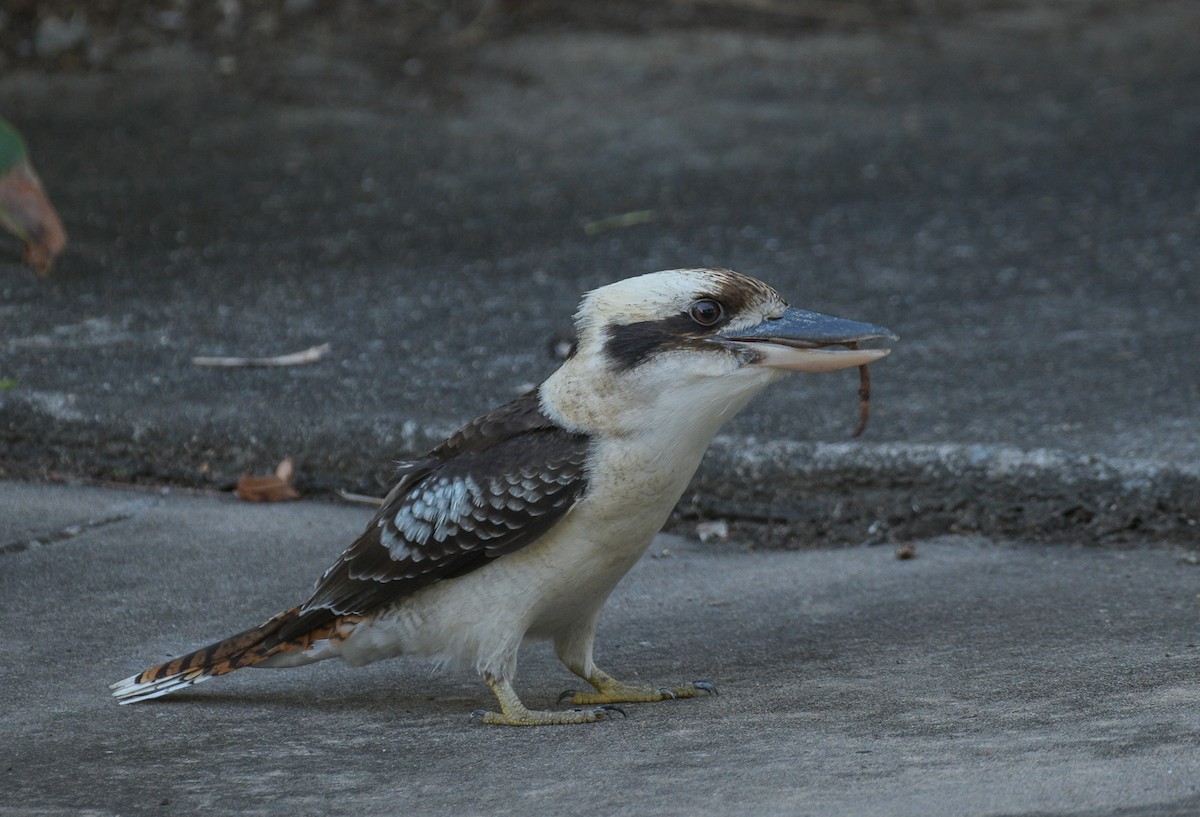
(492, 488)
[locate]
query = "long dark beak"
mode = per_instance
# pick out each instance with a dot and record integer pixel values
(801, 341)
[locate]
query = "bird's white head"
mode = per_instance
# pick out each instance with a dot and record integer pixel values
(691, 346)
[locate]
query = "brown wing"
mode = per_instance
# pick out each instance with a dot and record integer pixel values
(490, 489)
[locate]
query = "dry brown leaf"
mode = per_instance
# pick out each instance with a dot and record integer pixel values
(275, 487)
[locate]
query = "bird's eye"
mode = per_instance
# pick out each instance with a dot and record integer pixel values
(706, 312)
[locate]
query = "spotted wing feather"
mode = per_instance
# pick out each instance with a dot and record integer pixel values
(492, 488)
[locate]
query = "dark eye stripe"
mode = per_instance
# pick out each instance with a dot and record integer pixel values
(629, 344)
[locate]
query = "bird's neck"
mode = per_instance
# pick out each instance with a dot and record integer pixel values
(660, 410)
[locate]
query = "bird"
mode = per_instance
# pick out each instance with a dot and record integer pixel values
(520, 524)
(25, 210)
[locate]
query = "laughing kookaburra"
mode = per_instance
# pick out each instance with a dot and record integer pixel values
(523, 521)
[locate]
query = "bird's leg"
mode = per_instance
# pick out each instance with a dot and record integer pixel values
(609, 691)
(514, 713)
(574, 648)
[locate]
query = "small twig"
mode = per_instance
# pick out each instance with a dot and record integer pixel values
(311, 355)
(361, 499)
(619, 222)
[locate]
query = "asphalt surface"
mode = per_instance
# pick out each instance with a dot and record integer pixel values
(1017, 194)
(977, 678)
(1014, 194)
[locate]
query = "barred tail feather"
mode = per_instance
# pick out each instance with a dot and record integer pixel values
(246, 649)
(130, 690)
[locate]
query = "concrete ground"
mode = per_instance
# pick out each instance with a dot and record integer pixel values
(980, 677)
(1016, 193)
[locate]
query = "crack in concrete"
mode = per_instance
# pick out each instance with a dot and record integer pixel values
(127, 511)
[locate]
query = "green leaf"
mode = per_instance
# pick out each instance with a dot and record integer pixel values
(12, 147)
(7, 383)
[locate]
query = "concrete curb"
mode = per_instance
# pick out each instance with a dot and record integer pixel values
(854, 492)
(803, 492)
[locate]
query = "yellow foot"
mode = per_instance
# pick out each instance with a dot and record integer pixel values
(609, 691)
(513, 712)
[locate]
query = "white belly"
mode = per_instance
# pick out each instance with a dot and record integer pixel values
(544, 589)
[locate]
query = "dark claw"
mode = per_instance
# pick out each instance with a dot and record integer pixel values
(570, 693)
(667, 693)
(477, 716)
(706, 686)
(603, 710)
